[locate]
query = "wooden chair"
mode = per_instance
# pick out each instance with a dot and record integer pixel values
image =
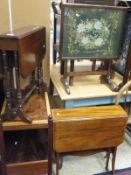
(2, 154)
(124, 90)
(121, 91)
(86, 130)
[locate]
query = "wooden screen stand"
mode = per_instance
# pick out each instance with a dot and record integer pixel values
(22, 51)
(76, 45)
(105, 72)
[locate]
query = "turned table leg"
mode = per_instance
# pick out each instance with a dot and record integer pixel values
(41, 85)
(7, 85)
(17, 91)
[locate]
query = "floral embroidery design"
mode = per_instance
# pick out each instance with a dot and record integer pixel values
(92, 32)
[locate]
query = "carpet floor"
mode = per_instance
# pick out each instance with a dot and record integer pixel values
(126, 171)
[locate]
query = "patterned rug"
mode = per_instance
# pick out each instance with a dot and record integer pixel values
(126, 171)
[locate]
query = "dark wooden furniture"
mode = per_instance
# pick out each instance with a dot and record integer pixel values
(22, 52)
(3, 170)
(88, 129)
(37, 107)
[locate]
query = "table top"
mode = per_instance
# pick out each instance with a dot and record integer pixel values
(30, 44)
(21, 32)
(93, 112)
(84, 87)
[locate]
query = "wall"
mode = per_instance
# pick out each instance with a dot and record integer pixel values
(28, 12)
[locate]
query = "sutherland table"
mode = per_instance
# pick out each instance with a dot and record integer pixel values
(21, 54)
(86, 91)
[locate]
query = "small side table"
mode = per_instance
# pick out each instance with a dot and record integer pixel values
(22, 51)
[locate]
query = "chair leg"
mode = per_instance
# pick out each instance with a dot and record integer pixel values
(113, 160)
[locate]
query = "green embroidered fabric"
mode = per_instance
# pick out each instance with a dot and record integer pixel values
(91, 32)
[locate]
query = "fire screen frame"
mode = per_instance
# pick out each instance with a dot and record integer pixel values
(73, 40)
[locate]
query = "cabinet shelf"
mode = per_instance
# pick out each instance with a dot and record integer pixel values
(26, 153)
(27, 144)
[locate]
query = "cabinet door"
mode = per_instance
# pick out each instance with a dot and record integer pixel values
(2, 154)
